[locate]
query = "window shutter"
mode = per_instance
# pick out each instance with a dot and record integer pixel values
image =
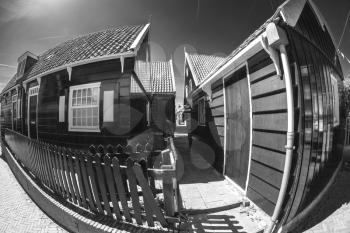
(108, 106)
(61, 109)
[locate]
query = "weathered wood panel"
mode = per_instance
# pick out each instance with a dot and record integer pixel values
(274, 121)
(269, 175)
(219, 121)
(218, 111)
(273, 141)
(271, 84)
(268, 191)
(270, 103)
(261, 201)
(219, 101)
(263, 72)
(268, 157)
(217, 93)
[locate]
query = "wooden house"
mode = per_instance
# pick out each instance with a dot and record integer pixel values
(271, 111)
(99, 88)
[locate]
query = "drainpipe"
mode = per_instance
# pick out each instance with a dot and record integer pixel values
(278, 39)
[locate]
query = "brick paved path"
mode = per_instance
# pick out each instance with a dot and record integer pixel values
(18, 213)
(203, 188)
(333, 216)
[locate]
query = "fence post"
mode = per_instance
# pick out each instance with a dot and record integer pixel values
(168, 182)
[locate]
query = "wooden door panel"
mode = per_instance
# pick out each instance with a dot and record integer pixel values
(237, 130)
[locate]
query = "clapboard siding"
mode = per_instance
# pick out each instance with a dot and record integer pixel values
(273, 141)
(218, 111)
(217, 93)
(219, 101)
(271, 84)
(264, 188)
(269, 106)
(272, 121)
(219, 121)
(266, 173)
(270, 103)
(260, 200)
(265, 71)
(270, 158)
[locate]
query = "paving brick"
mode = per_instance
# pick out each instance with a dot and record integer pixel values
(18, 213)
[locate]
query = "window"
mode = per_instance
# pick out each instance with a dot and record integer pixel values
(201, 111)
(335, 100)
(84, 107)
(14, 112)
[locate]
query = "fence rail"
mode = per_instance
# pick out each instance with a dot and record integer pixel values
(117, 182)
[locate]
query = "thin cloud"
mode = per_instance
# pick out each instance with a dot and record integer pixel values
(52, 37)
(8, 66)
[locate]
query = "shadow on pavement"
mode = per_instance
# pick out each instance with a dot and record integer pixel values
(212, 223)
(336, 201)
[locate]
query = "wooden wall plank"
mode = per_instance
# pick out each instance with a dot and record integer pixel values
(218, 111)
(262, 72)
(219, 121)
(273, 121)
(219, 101)
(268, 157)
(267, 174)
(260, 201)
(270, 140)
(266, 190)
(267, 85)
(270, 103)
(217, 93)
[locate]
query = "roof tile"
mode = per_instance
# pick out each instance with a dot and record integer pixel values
(202, 65)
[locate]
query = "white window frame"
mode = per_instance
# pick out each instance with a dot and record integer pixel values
(335, 100)
(33, 91)
(14, 100)
(201, 123)
(70, 108)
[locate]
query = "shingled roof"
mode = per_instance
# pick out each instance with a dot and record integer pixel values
(160, 80)
(201, 65)
(108, 42)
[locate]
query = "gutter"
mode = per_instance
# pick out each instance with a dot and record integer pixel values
(277, 39)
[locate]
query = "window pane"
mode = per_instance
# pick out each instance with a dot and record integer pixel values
(89, 121)
(83, 102)
(94, 121)
(95, 111)
(88, 101)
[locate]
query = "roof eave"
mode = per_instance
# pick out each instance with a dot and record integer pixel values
(193, 71)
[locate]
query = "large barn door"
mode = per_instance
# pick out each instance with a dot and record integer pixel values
(237, 127)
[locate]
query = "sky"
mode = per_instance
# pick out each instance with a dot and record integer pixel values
(203, 26)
